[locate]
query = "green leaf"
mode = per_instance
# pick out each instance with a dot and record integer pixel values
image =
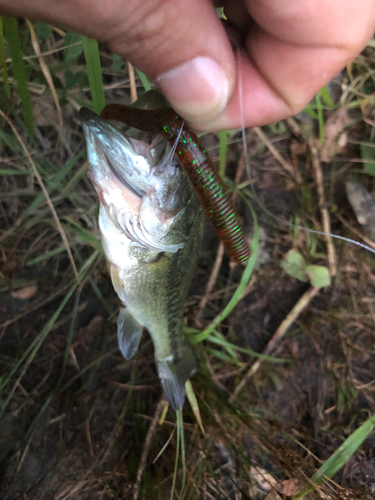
(294, 264)
(117, 62)
(70, 79)
(71, 54)
(42, 30)
(82, 79)
(318, 275)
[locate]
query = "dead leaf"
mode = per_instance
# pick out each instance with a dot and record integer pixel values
(24, 293)
(335, 138)
(88, 332)
(288, 488)
(264, 479)
(363, 205)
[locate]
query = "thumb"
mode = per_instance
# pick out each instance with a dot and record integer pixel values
(183, 47)
(180, 44)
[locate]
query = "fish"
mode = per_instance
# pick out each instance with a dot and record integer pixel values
(151, 225)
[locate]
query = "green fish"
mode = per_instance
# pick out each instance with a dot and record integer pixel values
(151, 225)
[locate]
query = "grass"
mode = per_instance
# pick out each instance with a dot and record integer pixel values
(18, 66)
(75, 416)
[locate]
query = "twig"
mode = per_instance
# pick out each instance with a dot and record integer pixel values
(287, 166)
(48, 199)
(280, 332)
(147, 447)
(87, 428)
(165, 446)
(323, 210)
(133, 86)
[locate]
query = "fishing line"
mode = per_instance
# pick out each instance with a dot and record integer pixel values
(242, 117)
(174, 147)
(349, 240)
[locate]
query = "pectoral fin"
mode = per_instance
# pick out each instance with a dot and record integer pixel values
(129, 333)
(174, 373)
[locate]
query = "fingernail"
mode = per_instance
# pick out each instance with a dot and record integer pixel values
(198, 89)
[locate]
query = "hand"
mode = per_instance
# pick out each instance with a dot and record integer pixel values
(293, 48)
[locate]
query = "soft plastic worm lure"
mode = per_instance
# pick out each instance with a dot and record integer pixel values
(198, 166)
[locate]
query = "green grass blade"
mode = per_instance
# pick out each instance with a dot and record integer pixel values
(219, 339)
(3, 64)
(310, 110)
(223, 147)
(177, 455)
(47, 255)
(9, 171)
(180, 428)
(73, 322)
(319, 109)
(144, 80)
(340, 457)
(14, 44)
(94, 69)
(246, 275)
(324, 94)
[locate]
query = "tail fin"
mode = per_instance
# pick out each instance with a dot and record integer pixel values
(173, 374)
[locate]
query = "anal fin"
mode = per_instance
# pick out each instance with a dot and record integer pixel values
(129, 333)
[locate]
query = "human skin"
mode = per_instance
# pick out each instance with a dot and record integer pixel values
(291, 49)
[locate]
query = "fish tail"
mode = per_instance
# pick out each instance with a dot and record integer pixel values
(174, 372)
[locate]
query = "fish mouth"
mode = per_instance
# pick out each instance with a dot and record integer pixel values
(122, 179)
(85, 115)
(110, 152)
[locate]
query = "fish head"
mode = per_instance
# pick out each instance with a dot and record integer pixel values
(141, 186)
